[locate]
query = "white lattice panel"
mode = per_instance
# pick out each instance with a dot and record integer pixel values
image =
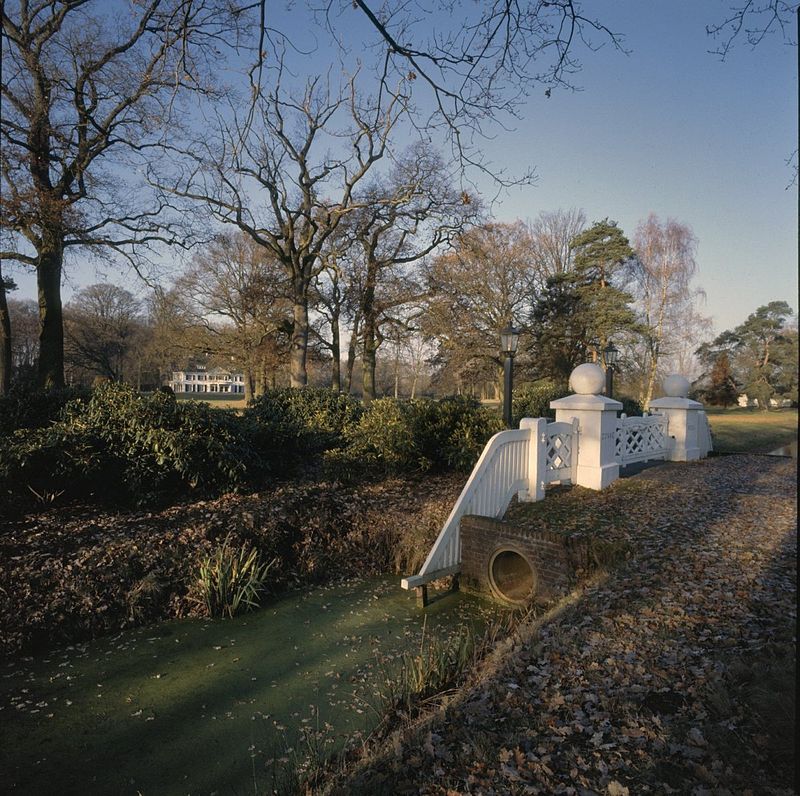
(561, 449)
(639, 439)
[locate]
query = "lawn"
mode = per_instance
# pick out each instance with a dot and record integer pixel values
(221, 402)
(751, 430)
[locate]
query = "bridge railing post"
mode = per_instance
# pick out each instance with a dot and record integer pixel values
(685, 420)
(597, 421)
(537, 458)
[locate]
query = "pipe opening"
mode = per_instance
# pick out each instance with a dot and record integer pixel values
(511, 576)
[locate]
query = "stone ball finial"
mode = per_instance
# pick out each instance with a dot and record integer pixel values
(588, 379)
(676, 386)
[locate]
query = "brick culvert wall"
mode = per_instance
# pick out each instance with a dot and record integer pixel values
(551, 557)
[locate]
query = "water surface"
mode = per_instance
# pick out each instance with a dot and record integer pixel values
(202, 706)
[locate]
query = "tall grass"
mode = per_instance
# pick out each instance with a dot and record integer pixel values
(442, 663)
(231, 579)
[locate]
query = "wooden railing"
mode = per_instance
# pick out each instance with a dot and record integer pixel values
(640, 439)
(519, 461)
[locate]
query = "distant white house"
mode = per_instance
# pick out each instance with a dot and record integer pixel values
(775, 403)
(201, 380)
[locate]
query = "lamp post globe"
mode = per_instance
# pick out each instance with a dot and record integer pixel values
(509, 341)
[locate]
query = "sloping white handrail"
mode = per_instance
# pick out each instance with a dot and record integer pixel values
(501, 471)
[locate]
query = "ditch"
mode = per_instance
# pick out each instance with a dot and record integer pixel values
(217, 706)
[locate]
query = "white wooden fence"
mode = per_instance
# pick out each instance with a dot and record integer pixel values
(519, 461)
(586, 446)
(640, 439)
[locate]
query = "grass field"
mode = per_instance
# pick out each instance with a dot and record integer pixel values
(751, 430)
(219, 403)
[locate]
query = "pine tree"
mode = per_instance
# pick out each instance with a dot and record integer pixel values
(722, 388)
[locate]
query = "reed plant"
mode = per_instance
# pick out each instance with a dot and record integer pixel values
(438, 665)
(231, 579)
(443, 663)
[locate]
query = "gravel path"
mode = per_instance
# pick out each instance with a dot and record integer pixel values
(674, 674)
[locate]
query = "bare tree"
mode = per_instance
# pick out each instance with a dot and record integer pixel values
(85, 93)
(284, 178)
(469, 66)
(171, 339)
(404, 219)
(235, 294)
(485, 283)
(552, 233)
(337, 307)
(103, 325)
(755, 20)
(24, 315)
(663, 271)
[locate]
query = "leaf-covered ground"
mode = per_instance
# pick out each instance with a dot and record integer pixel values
(673, 674)
(74, 573)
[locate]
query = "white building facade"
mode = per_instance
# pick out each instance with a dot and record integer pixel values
(200, 380)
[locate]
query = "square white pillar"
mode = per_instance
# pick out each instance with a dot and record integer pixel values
(537, 458)
(683, 417)
(597, 429)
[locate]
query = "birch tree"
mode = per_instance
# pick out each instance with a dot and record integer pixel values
(552, 234)
(663, 271)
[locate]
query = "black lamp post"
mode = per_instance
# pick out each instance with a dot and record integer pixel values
(610, 355)
(509, 340)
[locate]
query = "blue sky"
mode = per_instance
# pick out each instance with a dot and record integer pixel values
(667, 129)
(672, 130)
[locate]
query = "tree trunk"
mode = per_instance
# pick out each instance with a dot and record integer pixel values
(5, 340)
(51, 319)
(351, 357)
(651, 380)
(299, 347)
(336, 354)
(248, 385)
(370, 330)
(368, 360)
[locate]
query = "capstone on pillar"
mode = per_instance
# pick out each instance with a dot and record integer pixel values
(597, 424)
(686, 420)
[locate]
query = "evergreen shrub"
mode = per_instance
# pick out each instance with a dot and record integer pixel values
(394, 437)
(533, 399)
(290, 425)
(31, 408)
(630, 406)
(124, 445)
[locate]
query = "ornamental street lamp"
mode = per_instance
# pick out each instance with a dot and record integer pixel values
(509, 340)
(610, 356)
